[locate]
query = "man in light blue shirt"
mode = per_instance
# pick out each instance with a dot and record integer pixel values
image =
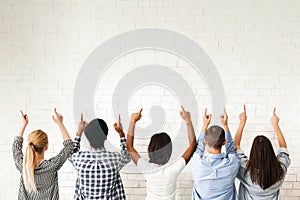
(214, 172)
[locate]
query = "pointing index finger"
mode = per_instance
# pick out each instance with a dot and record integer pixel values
(81, 117)
(182, 108)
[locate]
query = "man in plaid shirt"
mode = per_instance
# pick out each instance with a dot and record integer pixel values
(98, 169)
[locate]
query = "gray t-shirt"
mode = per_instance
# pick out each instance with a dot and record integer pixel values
(250, 190)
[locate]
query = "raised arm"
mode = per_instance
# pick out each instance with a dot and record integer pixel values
(130, 136)
(81, 126)
(186, 116)
(125, 157)
(275, 122)
(229, 145)
(59, 121)
(18, 144)
(68, 149)
(206, 121)
(239, 132)
(25, 122)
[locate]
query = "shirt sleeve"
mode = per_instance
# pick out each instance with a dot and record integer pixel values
(283, 157)
(244, 161)
(125, 156)
(229, 145)
(76, 148)
(61, 158)
(177, 166)
(200, 145)
(17, 152)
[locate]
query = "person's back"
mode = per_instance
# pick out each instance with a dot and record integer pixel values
(39, 177)
(273, 168)
(161, 180)
(160, 174)
(214, 172)
(98, 169)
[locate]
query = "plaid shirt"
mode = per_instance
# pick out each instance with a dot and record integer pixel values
(98, 172)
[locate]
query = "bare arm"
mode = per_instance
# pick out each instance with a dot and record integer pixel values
(186, 116)
(275, 122)
(206, 121)
(59, 121)
(224, 120)
(239, 132)
(130, 136)
(229, 145)
(125, 156)
(25, 122)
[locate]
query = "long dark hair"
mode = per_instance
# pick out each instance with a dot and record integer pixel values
(160, 148)
(263, 165)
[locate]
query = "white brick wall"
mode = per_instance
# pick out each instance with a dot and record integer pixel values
(254, 45)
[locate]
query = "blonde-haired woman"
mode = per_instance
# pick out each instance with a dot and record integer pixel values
(39, 179)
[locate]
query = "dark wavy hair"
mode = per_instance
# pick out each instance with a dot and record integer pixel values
(160, 148)
(264, 167)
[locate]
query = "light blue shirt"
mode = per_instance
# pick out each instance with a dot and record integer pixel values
(214, 174)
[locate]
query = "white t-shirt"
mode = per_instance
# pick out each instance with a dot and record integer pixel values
(161, 179)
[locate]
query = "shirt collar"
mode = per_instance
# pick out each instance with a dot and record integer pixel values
(97, 149)
(216, 156)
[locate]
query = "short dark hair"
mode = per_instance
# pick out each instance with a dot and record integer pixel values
(215, 136)
(96, 132)
(160, 148)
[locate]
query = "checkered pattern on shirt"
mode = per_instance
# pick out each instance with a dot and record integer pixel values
(98, 172)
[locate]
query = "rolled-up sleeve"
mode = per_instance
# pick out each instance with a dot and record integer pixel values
(284, 158)
(125, 156)
(61, 158)
(17, 152)
(243, 160)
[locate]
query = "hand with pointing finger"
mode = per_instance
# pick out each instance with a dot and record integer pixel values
(186, 116)
(81, 126)
(243, 116)
(224, 118)
(118, 127)
(25, 118)
(206, 120)
(136, 116)
(58, 119)
(275, 119)
(25, 122)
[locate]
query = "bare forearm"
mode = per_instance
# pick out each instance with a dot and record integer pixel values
(64, 132)
(191, 132)
(226, 128)
(280, 137)
(130, 135)
(238, 135)
(22, 131)
(204, 128)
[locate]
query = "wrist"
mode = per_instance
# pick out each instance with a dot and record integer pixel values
(188, 122)
(242, 123)
(79, 133)
(121, 134)
(275, 126)
(225, 126)
(204, 128)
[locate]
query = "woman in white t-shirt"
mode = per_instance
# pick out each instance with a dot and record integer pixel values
(160, 174)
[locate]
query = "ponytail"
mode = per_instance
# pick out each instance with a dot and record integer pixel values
(37, 142)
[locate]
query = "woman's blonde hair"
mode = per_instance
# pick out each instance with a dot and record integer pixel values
(37, 141)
